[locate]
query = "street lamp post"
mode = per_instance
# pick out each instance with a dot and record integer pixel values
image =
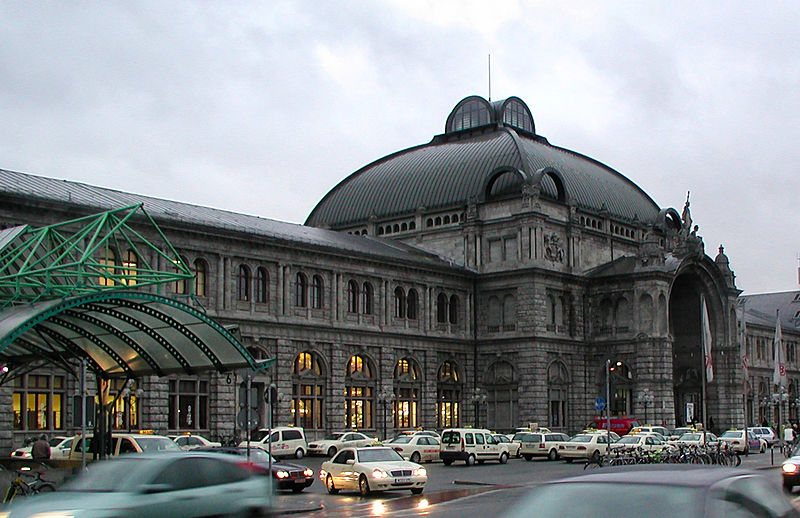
(646, 397)
(479, 396)
(609, 368)
(385, 395)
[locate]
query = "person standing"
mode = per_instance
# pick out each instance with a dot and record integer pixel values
(41, 449)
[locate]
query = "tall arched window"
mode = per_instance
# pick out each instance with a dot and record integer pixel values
(243, 284)
(621, 381)
(301, 290)
(262, 285)
(200, 274)
(441, 308)
(453, 310)
(108, 263)
(503, 395)
(180, 286)
(352, 297)
(407, 390)
(308, 391)
(130, 265)
(558, 394)
(448, 395)
(359, 393)
(399, 303)
(317, 290)
(412, 304)
(366, 298)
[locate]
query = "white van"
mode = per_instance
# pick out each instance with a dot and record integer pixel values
(471, 445)
(287, 441)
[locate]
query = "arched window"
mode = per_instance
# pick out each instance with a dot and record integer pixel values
(399, 303)
(262, 285)
(317, 290)
(243, 284)
(308, 390)
(130, 265)
(366, 298)
(429, 222)
(200, 274)
(180, 286)
(412, 304)
(359, 393)
(502, 395)
(454, 307)
(108, 263)
(448, 395)
(301, 290)
(558, 394)
(621, 384)
(352, 297)
(407, 387)
(441, 308)
(380, 231)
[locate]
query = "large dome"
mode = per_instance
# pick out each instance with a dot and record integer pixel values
(488, 150)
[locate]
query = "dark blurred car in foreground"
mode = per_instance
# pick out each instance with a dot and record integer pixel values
(285, 475)
(658, 491)
(171, 485)
(791, 469)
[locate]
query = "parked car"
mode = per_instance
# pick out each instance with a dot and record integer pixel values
(513, 447)
(471, 445)
(645, 441)
(416, 448)
(336, 441)
(658, 491)
(281, 441)
(542, 445)
(60, 447)
(122, 443)
(517, 440)
(173, 485)
(701, 439)
(584, 446)
(677, 432)
(372, 469)
(285, 475)
(766, 433)
(190, 441)
(654, 429)
(735, 439)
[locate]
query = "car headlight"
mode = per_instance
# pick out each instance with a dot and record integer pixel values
(420, 472)
(308, 472)
(281, 474)
(789, 468)
(379, 473)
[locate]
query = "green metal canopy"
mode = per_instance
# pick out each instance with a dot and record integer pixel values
(66, 293)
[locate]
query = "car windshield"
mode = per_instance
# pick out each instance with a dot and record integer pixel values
(600, 500)
(107, 476)
(581, 438)
(55, 441)
(690, 437)
(451, 438)
(628, 439)
(378, 455)
(157, 444)
(334, 436)
(731, 434)
(519, 435)
(403, 439)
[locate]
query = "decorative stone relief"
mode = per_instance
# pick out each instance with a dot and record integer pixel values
(553, 248)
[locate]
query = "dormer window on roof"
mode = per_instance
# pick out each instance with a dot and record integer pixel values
(470, 113)
(516, 114)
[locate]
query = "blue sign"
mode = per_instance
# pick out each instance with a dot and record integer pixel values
(599, 404)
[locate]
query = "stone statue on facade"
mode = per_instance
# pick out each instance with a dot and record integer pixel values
(553, 249)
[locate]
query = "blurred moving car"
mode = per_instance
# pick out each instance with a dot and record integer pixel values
(190, 441)
(584, 446)
(172, 485)
(59, 449)
(284, 474)
(281, 441)
(122, 443)
(334, 442)
(658, 491)
(416, 448)
(372, 469)
(542, 445)
(735, 439)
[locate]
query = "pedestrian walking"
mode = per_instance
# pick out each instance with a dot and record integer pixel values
(41, 449)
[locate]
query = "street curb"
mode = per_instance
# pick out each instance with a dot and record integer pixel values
(471, 483)
(284, 512)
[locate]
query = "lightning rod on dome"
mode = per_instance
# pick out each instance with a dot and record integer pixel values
(490, 78)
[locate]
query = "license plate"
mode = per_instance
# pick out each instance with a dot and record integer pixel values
(299, 481)
(402, 480)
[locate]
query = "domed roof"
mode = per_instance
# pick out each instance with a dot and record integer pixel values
(488, 150)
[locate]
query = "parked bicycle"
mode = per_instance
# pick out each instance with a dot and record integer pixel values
(22, 486)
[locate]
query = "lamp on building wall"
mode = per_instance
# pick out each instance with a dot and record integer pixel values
(478, 397)
(385, 395)
(646, 397)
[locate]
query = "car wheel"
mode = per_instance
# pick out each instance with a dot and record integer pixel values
(415, 457)
(299, 453)
(329, 485)
(363, 486)
(528, 457)
(416, 490)
(331, 451)
(552, 454)
(447, 462)
(503, 458)
(595, 456)
(470, 460)
(763, 448)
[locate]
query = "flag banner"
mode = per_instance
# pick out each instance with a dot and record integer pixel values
(779, 376)
(707, 342)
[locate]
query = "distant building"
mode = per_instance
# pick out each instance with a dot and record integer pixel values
(484, 278)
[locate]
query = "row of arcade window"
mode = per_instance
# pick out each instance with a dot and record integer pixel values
(123, 270)
(396, 227)
(447, 219)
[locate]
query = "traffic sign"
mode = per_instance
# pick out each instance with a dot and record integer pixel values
(599, 404)
(241, 420)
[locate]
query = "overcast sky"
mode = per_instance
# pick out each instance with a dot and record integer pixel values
(263, 110)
